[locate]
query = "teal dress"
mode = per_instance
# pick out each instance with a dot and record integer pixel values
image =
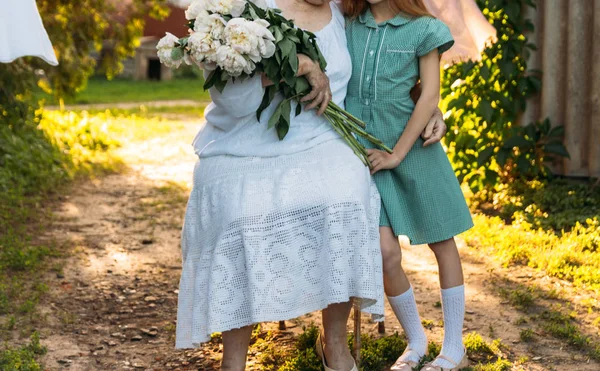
(421, 198)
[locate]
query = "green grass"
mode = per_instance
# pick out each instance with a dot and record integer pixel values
(152, 112)
(571, 255)
(526, 335)
(377, 353)
(100, 90)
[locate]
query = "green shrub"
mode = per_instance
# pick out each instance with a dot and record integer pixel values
(485, 99)
(554, 205)
(23, 358)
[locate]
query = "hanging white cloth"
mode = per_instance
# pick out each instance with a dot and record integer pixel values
(22, 32)
(469, 27)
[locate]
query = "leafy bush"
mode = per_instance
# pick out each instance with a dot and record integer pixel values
(485, 100)
(23, 359)
(554, 205)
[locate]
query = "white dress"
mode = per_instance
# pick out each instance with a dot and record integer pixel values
(276, 229)
(22, 32)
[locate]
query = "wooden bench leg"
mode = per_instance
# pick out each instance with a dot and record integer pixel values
(357, 315)
(381, 327)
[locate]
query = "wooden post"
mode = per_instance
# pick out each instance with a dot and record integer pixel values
(356, 349)
(282, 326)
(381, 327)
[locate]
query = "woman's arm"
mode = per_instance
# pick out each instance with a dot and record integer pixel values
(424, 109)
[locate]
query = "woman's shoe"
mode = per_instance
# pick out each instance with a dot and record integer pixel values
(321, 354)
(406, 365)
(464, 362)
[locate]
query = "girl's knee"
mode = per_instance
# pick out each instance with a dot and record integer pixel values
(390, 250)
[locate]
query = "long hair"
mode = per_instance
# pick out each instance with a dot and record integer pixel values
(414, 8)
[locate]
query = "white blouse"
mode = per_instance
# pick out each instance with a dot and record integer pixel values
(231, 125)
(22, 32)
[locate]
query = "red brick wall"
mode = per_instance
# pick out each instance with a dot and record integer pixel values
(175, 23)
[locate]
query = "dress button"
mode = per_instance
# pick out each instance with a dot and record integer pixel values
(368, 78)
(367, 102)
(372, 52)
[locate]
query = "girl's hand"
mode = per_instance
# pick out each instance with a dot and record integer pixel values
(320, 94)
(381, 160)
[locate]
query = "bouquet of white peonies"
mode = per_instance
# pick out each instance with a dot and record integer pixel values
(236, 39)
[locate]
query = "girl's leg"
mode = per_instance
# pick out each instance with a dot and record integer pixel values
(335, 320)
(235, 348)
(401, 296)
(453, 300)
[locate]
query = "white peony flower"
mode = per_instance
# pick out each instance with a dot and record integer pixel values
(266, 42)
(250, 38)
(234, 8)
(167, 48)
(212, 24)
(203, 47)
(233, 61)
(196, 9)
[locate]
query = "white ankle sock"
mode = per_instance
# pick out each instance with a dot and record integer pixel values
(453, 305)
(405, 308)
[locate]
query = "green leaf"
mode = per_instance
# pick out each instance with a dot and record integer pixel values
(177, 54)
(502, 156)
(557, 132)
(293, 61)
(210, 80)
(523, 164)
(485, 110)
(298, 109)
(275, 118)
(278, 35)
(557, 149)
(485, 155)
(282, 129)
(286, 47)
(516, 141)
(220, 85)
(302, 87)
(266, 101)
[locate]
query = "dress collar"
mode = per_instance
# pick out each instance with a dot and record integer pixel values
(368, 19)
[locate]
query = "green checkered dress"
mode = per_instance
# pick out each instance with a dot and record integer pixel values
(421, 197)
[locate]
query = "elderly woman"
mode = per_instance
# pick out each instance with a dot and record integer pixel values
(276, 229)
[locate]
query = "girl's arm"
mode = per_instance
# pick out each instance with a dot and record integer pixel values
(429, 66)
(426, 105)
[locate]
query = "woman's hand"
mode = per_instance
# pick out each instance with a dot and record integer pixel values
(381, 160)
(320, 95)
(435, 129)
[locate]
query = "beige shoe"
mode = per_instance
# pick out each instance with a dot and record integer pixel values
(464, 362)
(406, 365)
(321, 354)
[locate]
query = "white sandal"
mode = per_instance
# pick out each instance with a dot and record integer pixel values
(406, 365)
(321, 354)
(464, 362)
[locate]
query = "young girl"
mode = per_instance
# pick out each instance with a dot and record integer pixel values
(393, 44)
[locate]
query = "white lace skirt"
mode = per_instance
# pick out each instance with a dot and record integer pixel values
(273, 238)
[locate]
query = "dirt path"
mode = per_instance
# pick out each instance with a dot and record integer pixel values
(114, 305)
